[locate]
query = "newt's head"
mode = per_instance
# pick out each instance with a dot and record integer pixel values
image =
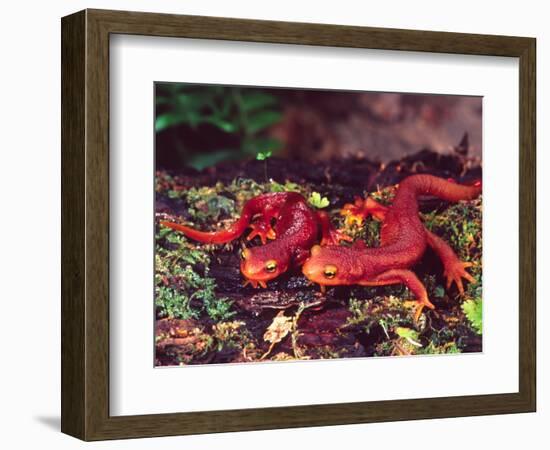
(261, 264)
(331, 266)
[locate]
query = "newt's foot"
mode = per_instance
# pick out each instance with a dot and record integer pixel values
(255, 284)
(333, 237)
(262, 229)
(360, 209)
(455, 272)
(420, 305)
(355, 213)
(329, 235)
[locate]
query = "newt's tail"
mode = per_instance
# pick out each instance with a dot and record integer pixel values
(416, 185)
(257, 205)
(212, 237)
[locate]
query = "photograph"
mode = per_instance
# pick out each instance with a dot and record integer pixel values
(296, 224)
(300, 224)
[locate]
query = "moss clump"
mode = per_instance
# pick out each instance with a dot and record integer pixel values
(183, 288)
(206, 205)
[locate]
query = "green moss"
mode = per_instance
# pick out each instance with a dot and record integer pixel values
(460, 225)
(231, 335)
(206, 205)
(432, 349)
(183, 288)
(173, 304)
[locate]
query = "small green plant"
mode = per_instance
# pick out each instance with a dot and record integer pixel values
(263, 155)
(317, 201)
(473, 309)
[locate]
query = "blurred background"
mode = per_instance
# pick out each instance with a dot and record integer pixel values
(199, 126)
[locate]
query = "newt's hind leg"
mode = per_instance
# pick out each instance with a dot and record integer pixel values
(454, 268)
(330, 235)
(360, 209)
(409, 279)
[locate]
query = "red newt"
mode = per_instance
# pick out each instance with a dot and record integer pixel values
(403, 241)
(296, 230)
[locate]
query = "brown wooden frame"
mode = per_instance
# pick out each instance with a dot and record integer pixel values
(85, 224)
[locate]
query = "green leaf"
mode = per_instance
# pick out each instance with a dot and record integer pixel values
(167, 120)
(192, 101)
(260, 121)
(223, 125)
(262, 156)
(276, 187)
(287, 187)
(316, 200)
(291, 187)
(406, 333)
(410, 335)
(473, 309)
(252, 101)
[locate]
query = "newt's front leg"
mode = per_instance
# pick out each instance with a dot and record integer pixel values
(454, 268)
(409, 279)
(262, 225)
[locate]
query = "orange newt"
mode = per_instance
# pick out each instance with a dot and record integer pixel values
(296, 230)
(403, 241)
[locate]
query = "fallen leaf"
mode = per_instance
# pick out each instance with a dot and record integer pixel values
(279, 328)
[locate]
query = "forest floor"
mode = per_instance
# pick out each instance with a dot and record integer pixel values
(205, 315)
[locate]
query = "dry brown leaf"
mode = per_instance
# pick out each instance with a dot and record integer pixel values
(279, 328)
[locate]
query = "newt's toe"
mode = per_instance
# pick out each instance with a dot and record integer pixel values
(255, 283)
(421, 304)
(355, 212)
(334, 237)
(456, 273)
(263, 230)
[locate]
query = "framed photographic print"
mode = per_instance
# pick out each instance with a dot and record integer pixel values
(270, 224)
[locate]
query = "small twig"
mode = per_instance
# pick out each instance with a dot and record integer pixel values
(269, 350)
(295, 348)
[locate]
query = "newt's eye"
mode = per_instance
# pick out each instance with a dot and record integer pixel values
(330, 271)
(270, 266)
